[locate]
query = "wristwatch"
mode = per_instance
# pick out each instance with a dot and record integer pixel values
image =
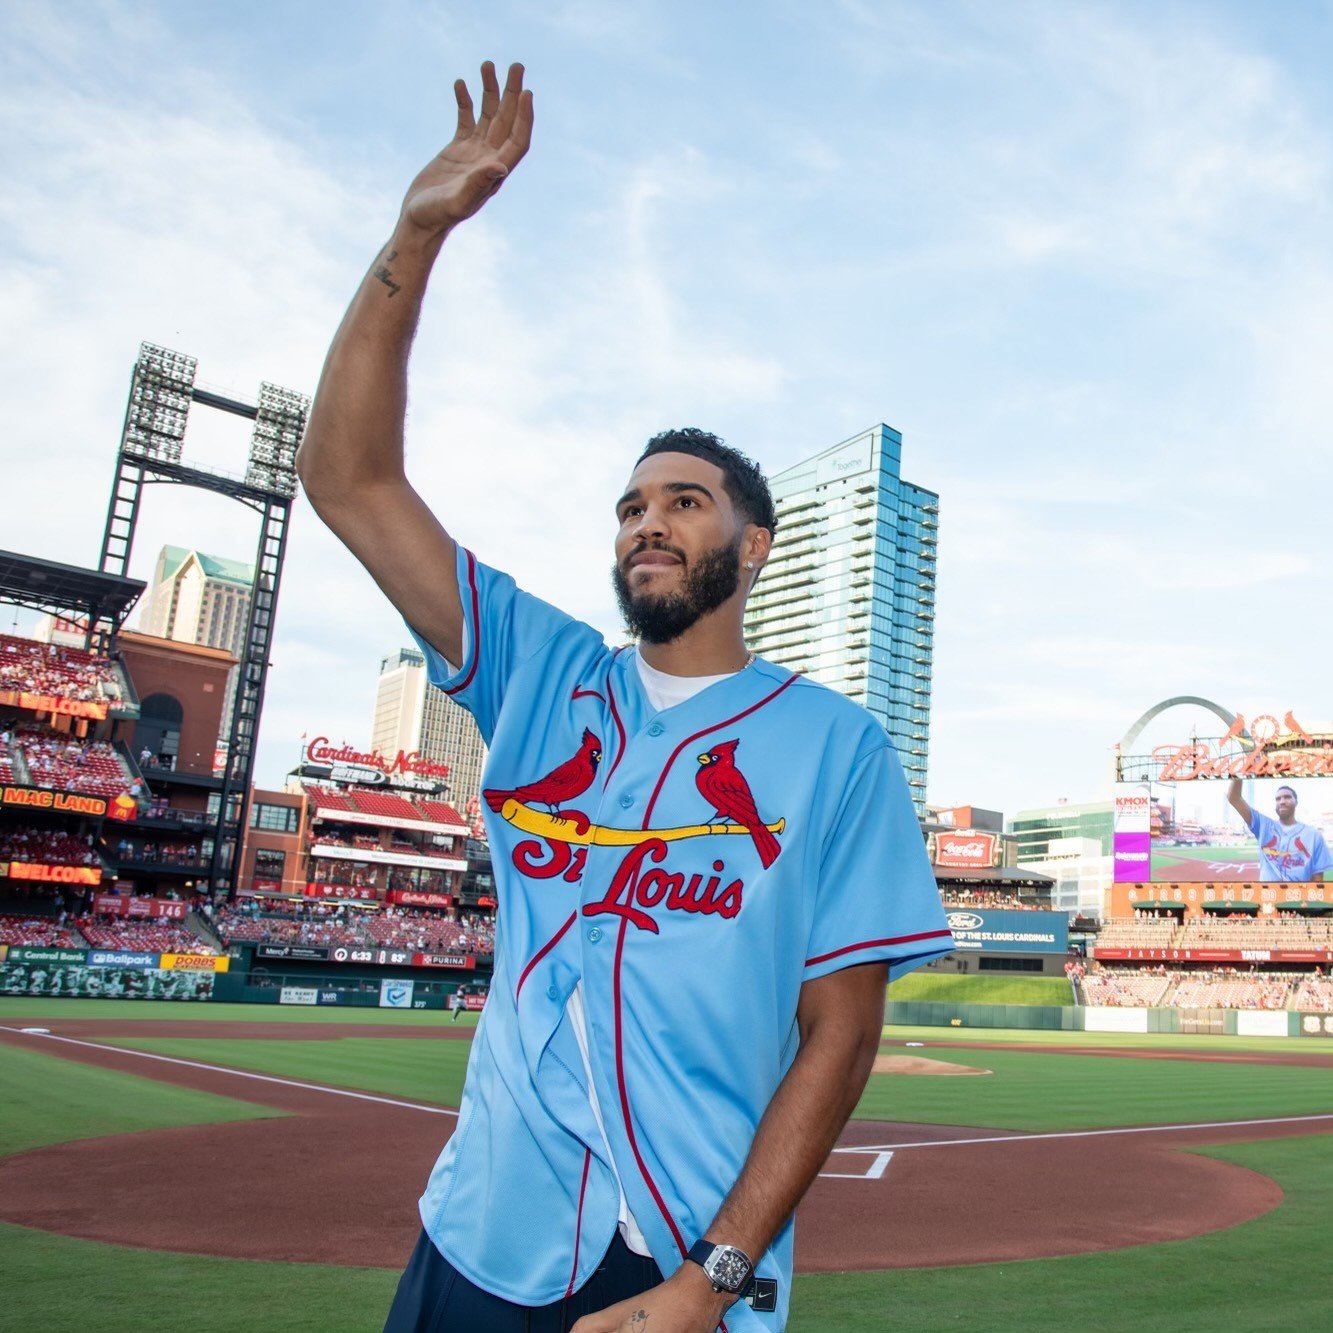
(728, 1268)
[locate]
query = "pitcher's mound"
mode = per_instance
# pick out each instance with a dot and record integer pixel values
(918, 1064)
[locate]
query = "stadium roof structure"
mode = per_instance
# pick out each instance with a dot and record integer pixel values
(47, 585)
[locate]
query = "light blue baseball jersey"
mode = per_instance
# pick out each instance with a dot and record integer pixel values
(1287, 853)
(688, 908)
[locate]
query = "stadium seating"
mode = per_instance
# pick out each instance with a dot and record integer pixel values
(1240, 991)
(1313, 992)
(248, 928)
(39, 932)
(325, 799)
(970, 899)
(397, 928)
(1147, 933)
(48, 846)
(53, 759)
(382, 803)
(1212, 988)
(439, 812)
(1133, 990)
(141, 936)
(48, 668)
(1263, 932)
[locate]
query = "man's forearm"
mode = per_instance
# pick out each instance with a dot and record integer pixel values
(796, 1134)
(355, 434)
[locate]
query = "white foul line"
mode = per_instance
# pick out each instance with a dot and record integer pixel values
(874, 1171)
(238, 1073)
(1087, 1133)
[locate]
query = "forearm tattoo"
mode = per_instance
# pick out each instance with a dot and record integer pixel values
(385, 274)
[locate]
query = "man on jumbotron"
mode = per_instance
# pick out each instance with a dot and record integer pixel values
(706, 866)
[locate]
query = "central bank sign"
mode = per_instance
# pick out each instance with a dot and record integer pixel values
(1002, 931)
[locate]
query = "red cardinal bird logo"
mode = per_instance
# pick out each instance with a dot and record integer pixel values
(561, 785)
(724, 787)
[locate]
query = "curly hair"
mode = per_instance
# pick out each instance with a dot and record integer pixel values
(743, 481)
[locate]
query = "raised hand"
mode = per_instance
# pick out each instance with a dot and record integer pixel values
(485, 149)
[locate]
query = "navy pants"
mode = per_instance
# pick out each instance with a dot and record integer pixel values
(434, 1297)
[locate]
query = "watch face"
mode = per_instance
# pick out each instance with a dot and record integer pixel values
(729, 1268)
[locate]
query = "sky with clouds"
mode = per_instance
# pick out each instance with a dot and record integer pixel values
(1077, 253)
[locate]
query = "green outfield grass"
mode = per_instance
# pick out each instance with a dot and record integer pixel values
(1025, 1090)
(1209, 853)
(50, 1100)
(424, 1071)
(952, 988)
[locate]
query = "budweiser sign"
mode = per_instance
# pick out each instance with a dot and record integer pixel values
(319, 751)
(1200, 759)
(966, 848)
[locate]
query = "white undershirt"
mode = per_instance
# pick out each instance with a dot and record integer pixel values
(663, 692)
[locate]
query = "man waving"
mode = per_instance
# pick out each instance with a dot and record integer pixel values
(706, 866)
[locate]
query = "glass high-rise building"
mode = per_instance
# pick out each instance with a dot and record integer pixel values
(848, 595)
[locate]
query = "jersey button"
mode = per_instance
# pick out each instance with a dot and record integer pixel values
(655, 728)
(594, 934)
(552, 993)
(626, 801)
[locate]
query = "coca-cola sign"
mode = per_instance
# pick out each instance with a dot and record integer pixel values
(965, 848)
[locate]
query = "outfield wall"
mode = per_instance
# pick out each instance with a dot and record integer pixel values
(1130, 1021)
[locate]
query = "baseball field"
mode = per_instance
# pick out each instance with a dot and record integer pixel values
(1205, 864)
(223, 1167)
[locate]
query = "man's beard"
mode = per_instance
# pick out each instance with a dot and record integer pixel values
(712, 580)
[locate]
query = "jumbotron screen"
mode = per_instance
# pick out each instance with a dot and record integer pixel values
(1191, 832)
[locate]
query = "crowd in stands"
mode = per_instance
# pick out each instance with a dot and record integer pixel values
(1284, 930)
(1211, 988)
(55, 759)
(1280, 930)
(380, 876)
(141, 936)
(160, 853)
(1313, 992)
(388, 805)
(48, 668)
(1141, 933)
(322, 924)
(1132, 990)
(954, 896)
(39, 932)
(49, 847)
(403, 928)
(370, 843)
(317, 924)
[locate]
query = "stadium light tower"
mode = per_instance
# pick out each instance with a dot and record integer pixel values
(162, 391)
